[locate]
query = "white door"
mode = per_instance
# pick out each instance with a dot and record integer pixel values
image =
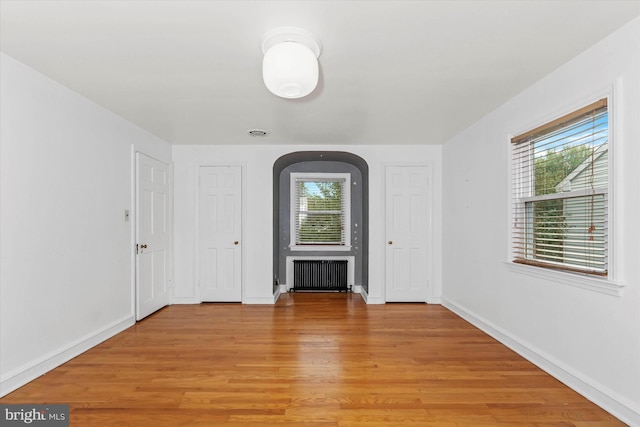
(153, 234)
(219, 232)
(407, 233)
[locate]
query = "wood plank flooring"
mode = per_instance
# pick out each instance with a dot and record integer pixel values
(313, 360)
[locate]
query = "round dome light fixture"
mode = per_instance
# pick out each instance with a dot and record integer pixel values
(290, 63)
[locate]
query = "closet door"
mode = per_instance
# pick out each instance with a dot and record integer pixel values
(407, 220)
(219, 233)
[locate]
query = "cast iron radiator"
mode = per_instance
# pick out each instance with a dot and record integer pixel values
(320, 275)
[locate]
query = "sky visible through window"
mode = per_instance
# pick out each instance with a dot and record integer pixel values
(592, 133)
(312, 189)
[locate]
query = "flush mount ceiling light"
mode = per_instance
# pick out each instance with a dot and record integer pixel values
(290, 64)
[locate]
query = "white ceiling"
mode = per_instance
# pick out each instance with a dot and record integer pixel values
(392, 72)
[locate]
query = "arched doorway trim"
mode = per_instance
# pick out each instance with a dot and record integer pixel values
(316, 160)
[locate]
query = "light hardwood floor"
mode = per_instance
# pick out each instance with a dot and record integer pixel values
(320, 360)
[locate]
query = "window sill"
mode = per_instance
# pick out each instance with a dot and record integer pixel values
(600, 285)
(319, 248)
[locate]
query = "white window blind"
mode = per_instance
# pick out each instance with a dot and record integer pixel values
(560, 181)
(320, 210)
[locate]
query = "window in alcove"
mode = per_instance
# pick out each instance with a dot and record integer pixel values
(320, 211)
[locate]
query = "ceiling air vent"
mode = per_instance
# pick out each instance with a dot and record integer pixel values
(257, 132)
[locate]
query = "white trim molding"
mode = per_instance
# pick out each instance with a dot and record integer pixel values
(346, 209)
(262, 300)
(609, 285)
(602, 396)
(584, 281)
(24, 374)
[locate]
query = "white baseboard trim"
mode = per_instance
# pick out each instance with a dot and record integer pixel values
(369, 299)
(434, 300)
(184, 300)
(622, 408)
(30, 371)
(262, 300)
(278, 292)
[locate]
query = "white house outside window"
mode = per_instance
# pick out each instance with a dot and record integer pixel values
(560, 182)
(320, 211)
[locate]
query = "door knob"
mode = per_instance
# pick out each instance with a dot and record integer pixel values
(236, 242)
(143, 246)
(390, 242)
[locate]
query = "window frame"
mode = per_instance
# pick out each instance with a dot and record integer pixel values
(345, 178)
(521, 194)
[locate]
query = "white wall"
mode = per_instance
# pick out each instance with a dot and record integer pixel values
(65, 248)
(588, 339)
(257, 162)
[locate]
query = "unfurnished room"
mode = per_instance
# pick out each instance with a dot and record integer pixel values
(320, 213)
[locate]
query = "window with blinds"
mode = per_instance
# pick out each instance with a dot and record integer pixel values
(320, 210)
(560, 181)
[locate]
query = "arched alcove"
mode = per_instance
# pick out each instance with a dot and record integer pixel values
(321, 162)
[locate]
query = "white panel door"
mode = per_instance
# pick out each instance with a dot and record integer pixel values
(153, 234)
(219, 232)
(407, 233)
